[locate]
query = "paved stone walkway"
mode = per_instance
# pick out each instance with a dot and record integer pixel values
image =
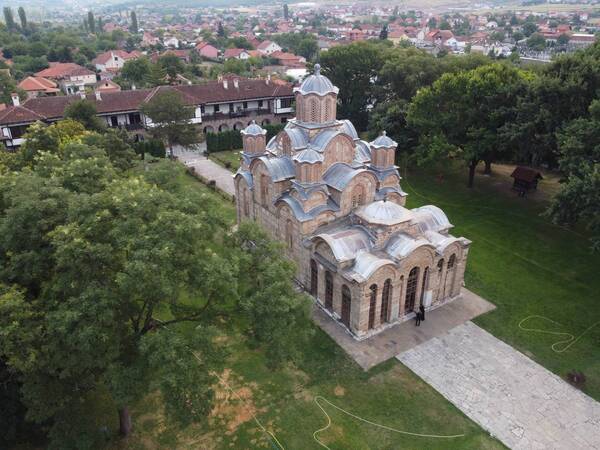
(403, 336)
(208, 169)
(515, 399)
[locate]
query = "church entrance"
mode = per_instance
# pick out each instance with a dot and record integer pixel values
(385, 301)
(328, 291)
(372, 306)
(346, 304)
(411, 290)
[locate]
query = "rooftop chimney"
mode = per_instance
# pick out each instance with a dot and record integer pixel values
(225, 83)
(268, 80)
(82, 95)
(133, 87)
(236, 83)
(15, 99)
(98, 96)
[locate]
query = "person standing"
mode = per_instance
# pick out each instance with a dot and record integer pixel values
(422, 310)
(418, 317)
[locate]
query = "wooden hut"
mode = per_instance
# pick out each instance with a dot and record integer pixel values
(525, 179)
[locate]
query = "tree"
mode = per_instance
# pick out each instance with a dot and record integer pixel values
(171, 119)
(157, 76)
(8, 86)
(279, 318)
(352, 68)
(563, 40)
(286, 11)
(136, 70)
(579, 162)
(529, 28)
(9, 18)
(84, 112)
(308, 48)
(518, 36)
(134, 23)
(116, 261)
(536, 42)
(383, 34)
(221, 30)
(91, 22)
(22, 17)
(171, 64)
(461, 114)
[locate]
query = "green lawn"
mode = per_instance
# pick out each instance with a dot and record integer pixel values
(229, 159)
(283, 401)
(525, 266)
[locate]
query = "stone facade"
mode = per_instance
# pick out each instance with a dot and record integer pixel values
(336, 203)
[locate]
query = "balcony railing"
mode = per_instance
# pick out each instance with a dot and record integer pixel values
(234, 114)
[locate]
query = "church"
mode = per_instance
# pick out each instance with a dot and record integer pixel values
(336, 203)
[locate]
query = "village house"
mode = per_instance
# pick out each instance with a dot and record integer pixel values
(231, 102)
(336, 204)
(71, 77)
(39, 86)
(236, 53)
(268, 47)
(206, 50)
(113, 60)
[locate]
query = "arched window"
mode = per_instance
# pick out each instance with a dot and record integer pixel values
(372, 305)
(289, 234)
(440, 265)
(314, 278)
(346, 305)
(313, 110)
(246, 203)
(451, 261)
(425, 283)
(328, 291)
(264, 190)
(358, 195)
(385, 301)
(411, 290)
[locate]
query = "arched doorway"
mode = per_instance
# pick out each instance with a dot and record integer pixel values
(223, 127)
(440, 270)
(346, 305)
(372, 306)
(449, 279)
(314, 278)
(238, 126)
(328, 291)
(411, 290)
(209, 129)
(386, 295)
(266, 122)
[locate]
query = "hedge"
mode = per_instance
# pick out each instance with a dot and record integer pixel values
(153, 147)
(232, 139)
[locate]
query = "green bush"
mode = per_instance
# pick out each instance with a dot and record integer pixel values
(152, 147)
(225, 140)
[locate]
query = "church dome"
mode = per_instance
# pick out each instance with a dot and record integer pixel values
(317, 84)
(384, 213)
(384, 141)
(254, 130)
(308, 155)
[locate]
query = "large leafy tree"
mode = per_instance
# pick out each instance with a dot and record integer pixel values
(279, 317)
(136, 70)
(579, 197)
(460, 114)
(354, 69)
(171, 119)
(98, 258)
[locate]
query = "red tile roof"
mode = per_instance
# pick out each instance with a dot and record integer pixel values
(34, 84)
(62, 70)
(52, 108)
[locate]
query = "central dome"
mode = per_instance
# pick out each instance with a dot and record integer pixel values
(384, 212)
(317, 84)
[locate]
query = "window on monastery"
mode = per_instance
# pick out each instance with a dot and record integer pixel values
(372, 305)
(264, 191)
(246, 203)
(440, 265)
(451, 261)
(289, 234)
(358, 196)
(313, 110)
(385, 301)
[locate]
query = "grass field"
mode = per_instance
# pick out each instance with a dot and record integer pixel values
(228, 157)
(525, 266)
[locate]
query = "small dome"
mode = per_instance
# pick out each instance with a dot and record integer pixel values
(254, 129)
(384, 213)
(317, 84)
(309, 155)
(384, 141)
